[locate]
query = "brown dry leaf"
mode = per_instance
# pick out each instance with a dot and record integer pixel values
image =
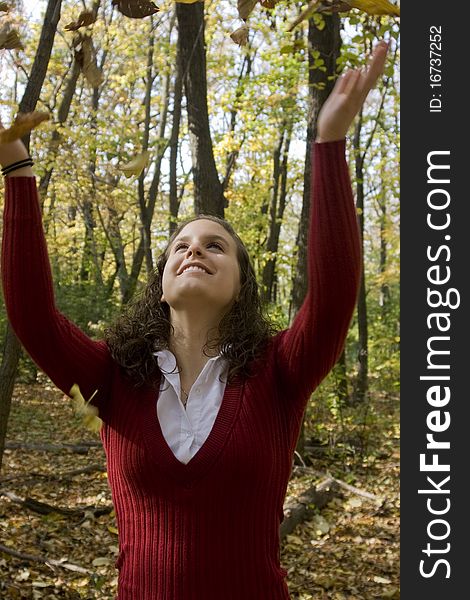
(245, 8)
(136, 9)
(4, 7)
(333, 6)
(268, 3)
(240, 36)
(136, 165)
(9, 38)
(85, 18)
(86, 58)
(22, 125)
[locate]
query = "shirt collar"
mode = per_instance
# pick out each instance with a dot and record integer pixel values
(167, 360)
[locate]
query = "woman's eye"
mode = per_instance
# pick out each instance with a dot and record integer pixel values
(179, 246)
(217, 245)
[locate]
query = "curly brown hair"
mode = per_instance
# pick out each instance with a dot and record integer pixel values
(145, 327)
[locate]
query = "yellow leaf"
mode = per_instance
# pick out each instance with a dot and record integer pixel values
(101, 561)
(85, 410)
(136, 165)
(372, 7)
(375, 7)
(112, 529)
(23, 124)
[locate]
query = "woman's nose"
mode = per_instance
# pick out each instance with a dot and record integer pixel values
(194, 248)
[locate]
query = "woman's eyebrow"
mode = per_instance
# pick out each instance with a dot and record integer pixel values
(209, 236)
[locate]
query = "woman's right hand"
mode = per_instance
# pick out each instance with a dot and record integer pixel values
(12, 152)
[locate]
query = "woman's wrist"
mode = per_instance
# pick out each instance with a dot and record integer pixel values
(320, 140)
(12, 153)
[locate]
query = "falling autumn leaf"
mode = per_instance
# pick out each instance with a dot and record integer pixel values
(83, 409)
(268, 3)
(375, 7)
(85, 56)
(333, 6)
(136, 9)
(85, 18)
(240, 36)
(9, 38)
(371, 7)
(136, 165)
(22, 125)
(245, 8)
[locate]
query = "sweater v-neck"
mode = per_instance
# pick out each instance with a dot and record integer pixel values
(206, 456)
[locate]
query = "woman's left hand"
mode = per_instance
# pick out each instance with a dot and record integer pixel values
(348, 95)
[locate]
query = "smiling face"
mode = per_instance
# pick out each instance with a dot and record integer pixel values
(202, 267)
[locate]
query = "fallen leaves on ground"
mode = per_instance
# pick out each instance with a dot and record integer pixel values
(348, 551)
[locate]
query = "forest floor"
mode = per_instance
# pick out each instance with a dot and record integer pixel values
(350, 553)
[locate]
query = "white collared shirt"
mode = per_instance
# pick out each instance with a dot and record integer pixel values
(186, 430)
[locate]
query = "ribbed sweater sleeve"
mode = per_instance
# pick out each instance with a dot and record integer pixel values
(310, 347)
(55, 344)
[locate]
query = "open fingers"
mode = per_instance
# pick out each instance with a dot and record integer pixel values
(343, 81)
(375, 67)
(363, 80)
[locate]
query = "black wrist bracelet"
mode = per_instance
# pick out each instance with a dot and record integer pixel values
(26, 162)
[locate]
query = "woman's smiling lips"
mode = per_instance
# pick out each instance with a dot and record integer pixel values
(194, 268)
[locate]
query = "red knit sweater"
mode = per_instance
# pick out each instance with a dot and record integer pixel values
(208, 530)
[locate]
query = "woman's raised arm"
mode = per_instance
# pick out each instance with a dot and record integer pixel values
(55, 344)
(307, 351)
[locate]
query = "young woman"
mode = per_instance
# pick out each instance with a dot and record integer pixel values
(201, 404)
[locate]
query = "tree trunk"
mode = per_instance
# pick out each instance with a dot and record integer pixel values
(208, 191)
(276, 212)
(361, 383)
(327, 42)
(54, 144)
(11, 353)
(62, 116)
(174, 204)
(147, 200)
(245, 71)
(384, 287)
(341, 379)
